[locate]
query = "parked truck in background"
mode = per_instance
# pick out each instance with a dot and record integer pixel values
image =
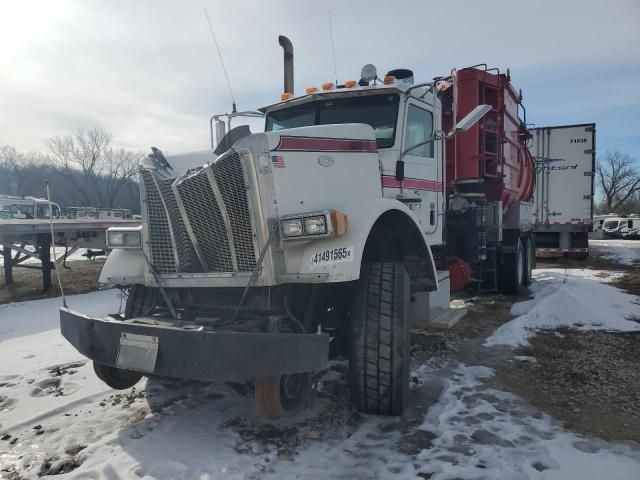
(356, 212)
(563, 201)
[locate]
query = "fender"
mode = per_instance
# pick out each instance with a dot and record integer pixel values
(123, 267)
(362, 217)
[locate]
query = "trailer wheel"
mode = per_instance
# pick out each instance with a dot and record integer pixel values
(282, 395)
(116, 378)
(379, 340)
(512, 270)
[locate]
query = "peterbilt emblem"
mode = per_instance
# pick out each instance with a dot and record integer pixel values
(326, 161)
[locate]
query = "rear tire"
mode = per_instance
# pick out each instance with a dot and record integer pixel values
(379, 340)
(512, 270)
(116, 378)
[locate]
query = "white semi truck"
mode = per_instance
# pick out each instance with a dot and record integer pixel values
(361, 205)
(563, 200)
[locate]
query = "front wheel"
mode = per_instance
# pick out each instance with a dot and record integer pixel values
(379, 340)
(282, 395)
(116, 378)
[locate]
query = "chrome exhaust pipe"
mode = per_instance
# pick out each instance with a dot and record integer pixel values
(287, 46)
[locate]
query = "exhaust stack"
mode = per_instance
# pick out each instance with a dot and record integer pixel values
(287, 46)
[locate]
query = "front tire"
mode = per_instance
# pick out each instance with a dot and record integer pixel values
(379, 340)
(116, 378)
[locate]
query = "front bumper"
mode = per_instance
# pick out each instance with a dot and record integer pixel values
(196, 353)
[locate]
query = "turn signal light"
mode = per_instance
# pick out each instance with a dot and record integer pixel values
(311, 90)
(389, 79)
(286, 96)
(327, 86)
(339, 222)
(350, 84)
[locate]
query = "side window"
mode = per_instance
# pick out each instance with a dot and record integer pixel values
(418, 128)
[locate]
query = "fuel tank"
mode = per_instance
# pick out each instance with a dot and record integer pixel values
(491, 158)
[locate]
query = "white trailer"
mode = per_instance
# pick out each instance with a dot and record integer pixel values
(563, 200)
(624, 226)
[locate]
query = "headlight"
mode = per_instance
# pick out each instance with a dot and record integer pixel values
(320, 224)
(315, 225)
(292, 228)
(124, 239)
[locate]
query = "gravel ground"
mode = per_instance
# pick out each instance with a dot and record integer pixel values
(589, 380)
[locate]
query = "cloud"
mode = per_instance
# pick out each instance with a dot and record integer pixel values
(148, 70)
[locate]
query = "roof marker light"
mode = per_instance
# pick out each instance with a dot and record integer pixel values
(286, 96)
(311, 90)
(327, 86)
(350, 84)
(389, 79)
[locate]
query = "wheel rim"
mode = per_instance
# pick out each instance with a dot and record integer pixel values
(282, 395)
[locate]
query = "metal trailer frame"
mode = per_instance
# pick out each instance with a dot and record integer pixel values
(15, 235)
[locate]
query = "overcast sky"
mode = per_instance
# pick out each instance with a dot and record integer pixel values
(148, 71)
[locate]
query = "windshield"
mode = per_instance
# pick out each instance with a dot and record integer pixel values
(611, 224)
(379, 111)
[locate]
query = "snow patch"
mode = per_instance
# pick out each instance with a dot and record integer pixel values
(625, 252)
(569, 298)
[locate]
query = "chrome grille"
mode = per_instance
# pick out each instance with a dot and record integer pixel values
(206, 221)
(231, 182)
(187, 219)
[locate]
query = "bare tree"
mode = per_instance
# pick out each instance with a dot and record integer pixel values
(121, 167)
(619, 178)
(88, 162)
(21, 173)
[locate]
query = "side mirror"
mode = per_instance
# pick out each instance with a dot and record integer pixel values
(473, 117)
(220, 130)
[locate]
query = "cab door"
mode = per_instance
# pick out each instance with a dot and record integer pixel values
(422, 175)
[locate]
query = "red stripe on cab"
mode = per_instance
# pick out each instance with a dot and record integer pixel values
(315, 144)
(413, 183)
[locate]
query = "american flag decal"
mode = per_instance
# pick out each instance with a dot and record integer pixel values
(277, 161)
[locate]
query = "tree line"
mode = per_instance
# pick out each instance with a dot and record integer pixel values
(618, 181)
(83, 170)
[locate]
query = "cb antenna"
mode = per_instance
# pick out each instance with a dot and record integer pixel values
(333, 49)
(233, 99)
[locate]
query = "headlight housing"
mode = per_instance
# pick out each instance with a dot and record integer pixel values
(124, 238)
(313, 224)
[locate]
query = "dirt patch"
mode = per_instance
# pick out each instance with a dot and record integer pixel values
(630, 281)
(81, 277)
(588, 380)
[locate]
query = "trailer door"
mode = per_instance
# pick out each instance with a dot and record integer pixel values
(565, 164)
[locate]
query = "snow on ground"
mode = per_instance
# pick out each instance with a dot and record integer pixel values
(571, 297)
(58, 414)
(625, 252)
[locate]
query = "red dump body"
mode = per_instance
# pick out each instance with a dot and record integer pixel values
(491, 157)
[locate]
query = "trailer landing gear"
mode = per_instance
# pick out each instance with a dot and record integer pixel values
(282, 395)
